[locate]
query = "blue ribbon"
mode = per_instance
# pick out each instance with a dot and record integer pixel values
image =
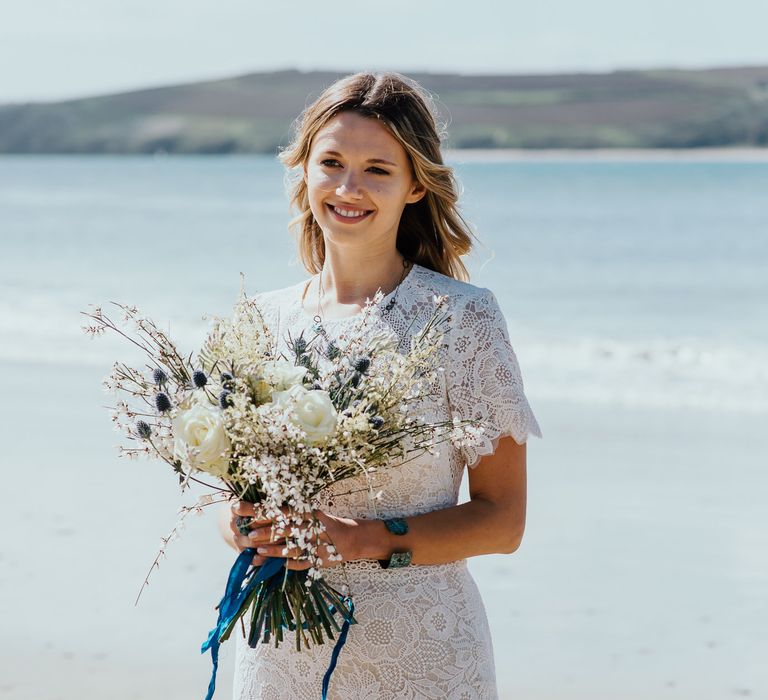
(337, 648)
(234, 597)
(236, 594)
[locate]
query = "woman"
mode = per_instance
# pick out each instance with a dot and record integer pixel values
(377, 210)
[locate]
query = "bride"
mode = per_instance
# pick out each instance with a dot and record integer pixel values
(377, 209)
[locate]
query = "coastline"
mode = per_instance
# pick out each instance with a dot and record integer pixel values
(737, 154)
(718, 154)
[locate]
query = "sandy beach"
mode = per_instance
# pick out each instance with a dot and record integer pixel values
(642, 573)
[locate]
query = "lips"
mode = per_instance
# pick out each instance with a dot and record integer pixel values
(348, 214)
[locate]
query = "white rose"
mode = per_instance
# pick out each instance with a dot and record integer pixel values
(312, 411)
(277, 375)
(282, 375)
(200, 429)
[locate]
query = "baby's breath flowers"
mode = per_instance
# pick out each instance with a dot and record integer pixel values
(276, 429)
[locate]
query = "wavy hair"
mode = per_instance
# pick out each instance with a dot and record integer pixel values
(432, 232)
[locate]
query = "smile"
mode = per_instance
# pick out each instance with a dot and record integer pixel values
(349, 216)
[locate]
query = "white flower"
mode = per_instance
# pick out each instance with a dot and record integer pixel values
(358, 423)
(282, 375)
(382, 341)
(312, 411)
(200, 436)
(277, 375)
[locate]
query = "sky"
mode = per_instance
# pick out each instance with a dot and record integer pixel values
(56, 49)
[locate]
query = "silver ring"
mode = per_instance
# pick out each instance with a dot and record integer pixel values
(243, 523)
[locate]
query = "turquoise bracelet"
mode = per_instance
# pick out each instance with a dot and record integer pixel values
(397, 526)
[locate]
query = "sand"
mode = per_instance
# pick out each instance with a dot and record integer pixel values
(642, 573)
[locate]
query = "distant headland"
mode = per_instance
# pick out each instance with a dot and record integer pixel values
(626, 109)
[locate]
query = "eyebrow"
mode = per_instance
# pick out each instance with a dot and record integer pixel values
(370, 160)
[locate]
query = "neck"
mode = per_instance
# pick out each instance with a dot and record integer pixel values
(350, 281)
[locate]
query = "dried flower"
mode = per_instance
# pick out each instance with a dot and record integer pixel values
(361, 364)
(143, 429)
(159, 376)
(299, 345)
(225, 399)
(199, 378)
(162, 402)
(332, 352)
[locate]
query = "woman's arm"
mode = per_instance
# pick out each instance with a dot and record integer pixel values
(225, 520)
(493, 521)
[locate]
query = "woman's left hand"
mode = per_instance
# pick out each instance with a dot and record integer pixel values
(339, 532)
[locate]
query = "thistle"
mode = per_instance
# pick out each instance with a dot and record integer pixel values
(162, 402)
(159, 376)
(361, 364)
(332, 351)
(299, 345)
(143, 429)
(225, 399)
(199, 378)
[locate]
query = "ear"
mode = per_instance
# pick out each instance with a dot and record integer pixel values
(417, 192)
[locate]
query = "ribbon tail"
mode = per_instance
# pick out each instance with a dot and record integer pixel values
(337, 648)
(234, 596)
(235, 581)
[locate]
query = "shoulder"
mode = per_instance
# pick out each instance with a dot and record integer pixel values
(462, 296)
(278, 297)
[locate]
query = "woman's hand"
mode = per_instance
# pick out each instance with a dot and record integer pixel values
(251, 540)
(340, 533)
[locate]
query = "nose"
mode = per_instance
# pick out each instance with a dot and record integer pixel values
(349, 186)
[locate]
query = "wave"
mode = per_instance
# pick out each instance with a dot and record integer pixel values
(654, 373)
(651, 373)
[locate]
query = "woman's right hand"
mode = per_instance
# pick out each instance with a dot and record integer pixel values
(262, 534)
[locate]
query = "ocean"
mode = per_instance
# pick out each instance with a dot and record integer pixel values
(636, 297)
(643, 284)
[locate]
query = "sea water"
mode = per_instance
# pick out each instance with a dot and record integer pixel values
(642, 283)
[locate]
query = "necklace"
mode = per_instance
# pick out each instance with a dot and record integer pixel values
(318, 318)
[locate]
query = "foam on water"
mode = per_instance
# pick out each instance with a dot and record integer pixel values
(661, 372)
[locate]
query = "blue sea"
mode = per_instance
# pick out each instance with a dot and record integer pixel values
(636, 296)
(637, 283)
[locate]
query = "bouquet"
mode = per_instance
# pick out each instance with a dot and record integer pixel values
(276, 429)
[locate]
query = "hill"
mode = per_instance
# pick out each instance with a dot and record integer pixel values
(253, 113)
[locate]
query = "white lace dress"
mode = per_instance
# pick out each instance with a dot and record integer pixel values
(422, 631)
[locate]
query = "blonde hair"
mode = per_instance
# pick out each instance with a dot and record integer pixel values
(432, 232)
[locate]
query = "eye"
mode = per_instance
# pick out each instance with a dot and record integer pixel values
(332, 163)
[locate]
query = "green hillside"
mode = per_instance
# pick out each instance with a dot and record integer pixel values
(253, 113)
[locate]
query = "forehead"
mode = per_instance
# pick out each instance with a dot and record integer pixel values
(357, 135)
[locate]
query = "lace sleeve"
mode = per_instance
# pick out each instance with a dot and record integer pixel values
(483, 378)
